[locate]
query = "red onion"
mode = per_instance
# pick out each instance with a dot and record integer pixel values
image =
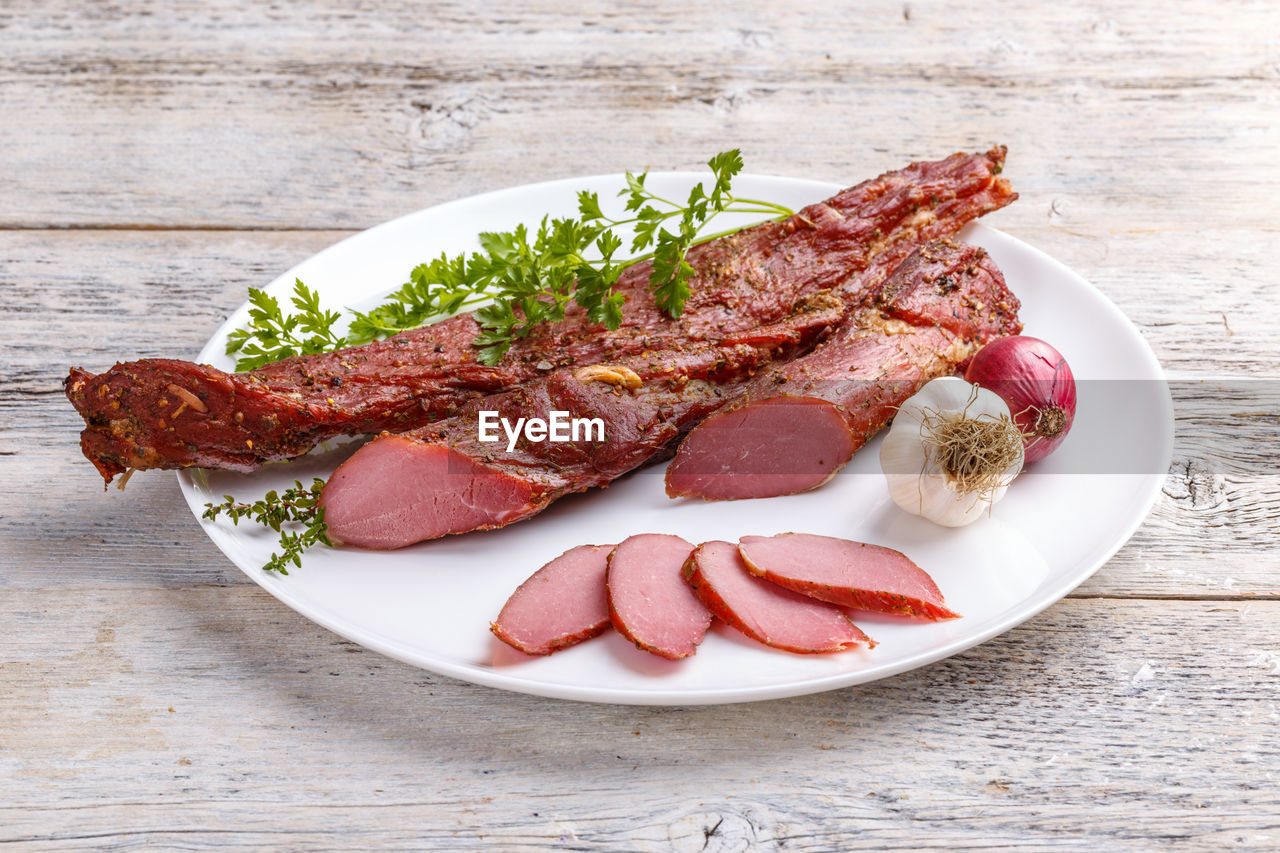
(1034, 379)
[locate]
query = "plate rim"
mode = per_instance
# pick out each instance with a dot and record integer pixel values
(494, 678)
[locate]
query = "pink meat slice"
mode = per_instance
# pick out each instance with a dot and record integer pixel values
(649, 602)
(770, 614)
(403, 491)
(852, 574)
(769, 460)
(790, 443)
(560, 605)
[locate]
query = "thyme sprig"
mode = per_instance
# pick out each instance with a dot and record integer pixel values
(295, 514)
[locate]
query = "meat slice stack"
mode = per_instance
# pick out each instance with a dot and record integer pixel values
(763, 611)
(791, 592)
(167, 413)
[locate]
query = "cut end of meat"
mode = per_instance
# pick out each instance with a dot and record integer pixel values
(954, 286)
(777, 446)
(395, 491)
(794, 427)
(166, 413)
(562, 604)
(847, 573)
(770, 614)
(649, 602)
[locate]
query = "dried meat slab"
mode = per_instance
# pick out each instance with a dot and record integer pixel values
(167, 413)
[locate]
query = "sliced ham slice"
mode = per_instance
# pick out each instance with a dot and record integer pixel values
(560, 605)
(770, 614)
(852, 574)
(649, 603)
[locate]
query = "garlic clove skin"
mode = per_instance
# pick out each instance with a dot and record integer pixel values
(917, 483)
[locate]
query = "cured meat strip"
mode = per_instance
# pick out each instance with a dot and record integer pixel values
(649, 602)
(770, 614)
(401, 489)
(781, 445)
(560, 605)
(852, 574)
(166, 413)
(794, 426)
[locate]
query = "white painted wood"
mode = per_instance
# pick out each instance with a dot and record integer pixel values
(157, 159)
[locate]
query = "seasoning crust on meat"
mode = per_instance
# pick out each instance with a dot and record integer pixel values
(168, 413)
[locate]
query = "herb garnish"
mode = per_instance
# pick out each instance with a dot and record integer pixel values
(271, 335)
(298, 505)
(529, 278)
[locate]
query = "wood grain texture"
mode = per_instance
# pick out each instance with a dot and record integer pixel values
(156, 159)
(331, 114)
(1090, 725)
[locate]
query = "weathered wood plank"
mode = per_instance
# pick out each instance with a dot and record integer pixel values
(235, 116)
(1142, 139)
(1089, 725)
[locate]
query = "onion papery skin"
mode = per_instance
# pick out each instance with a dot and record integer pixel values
(1038, 385)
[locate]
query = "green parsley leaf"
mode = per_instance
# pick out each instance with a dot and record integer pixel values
(271, 336)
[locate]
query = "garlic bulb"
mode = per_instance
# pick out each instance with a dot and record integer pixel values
(951, 453)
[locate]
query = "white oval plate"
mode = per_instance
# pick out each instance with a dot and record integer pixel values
(430, 605)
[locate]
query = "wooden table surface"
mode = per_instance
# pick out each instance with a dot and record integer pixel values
(158, 158)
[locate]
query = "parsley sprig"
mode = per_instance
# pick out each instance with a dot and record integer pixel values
(273, 335)
(522, 278)
(297, 507)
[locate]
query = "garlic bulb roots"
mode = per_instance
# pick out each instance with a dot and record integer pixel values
(951, 453)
